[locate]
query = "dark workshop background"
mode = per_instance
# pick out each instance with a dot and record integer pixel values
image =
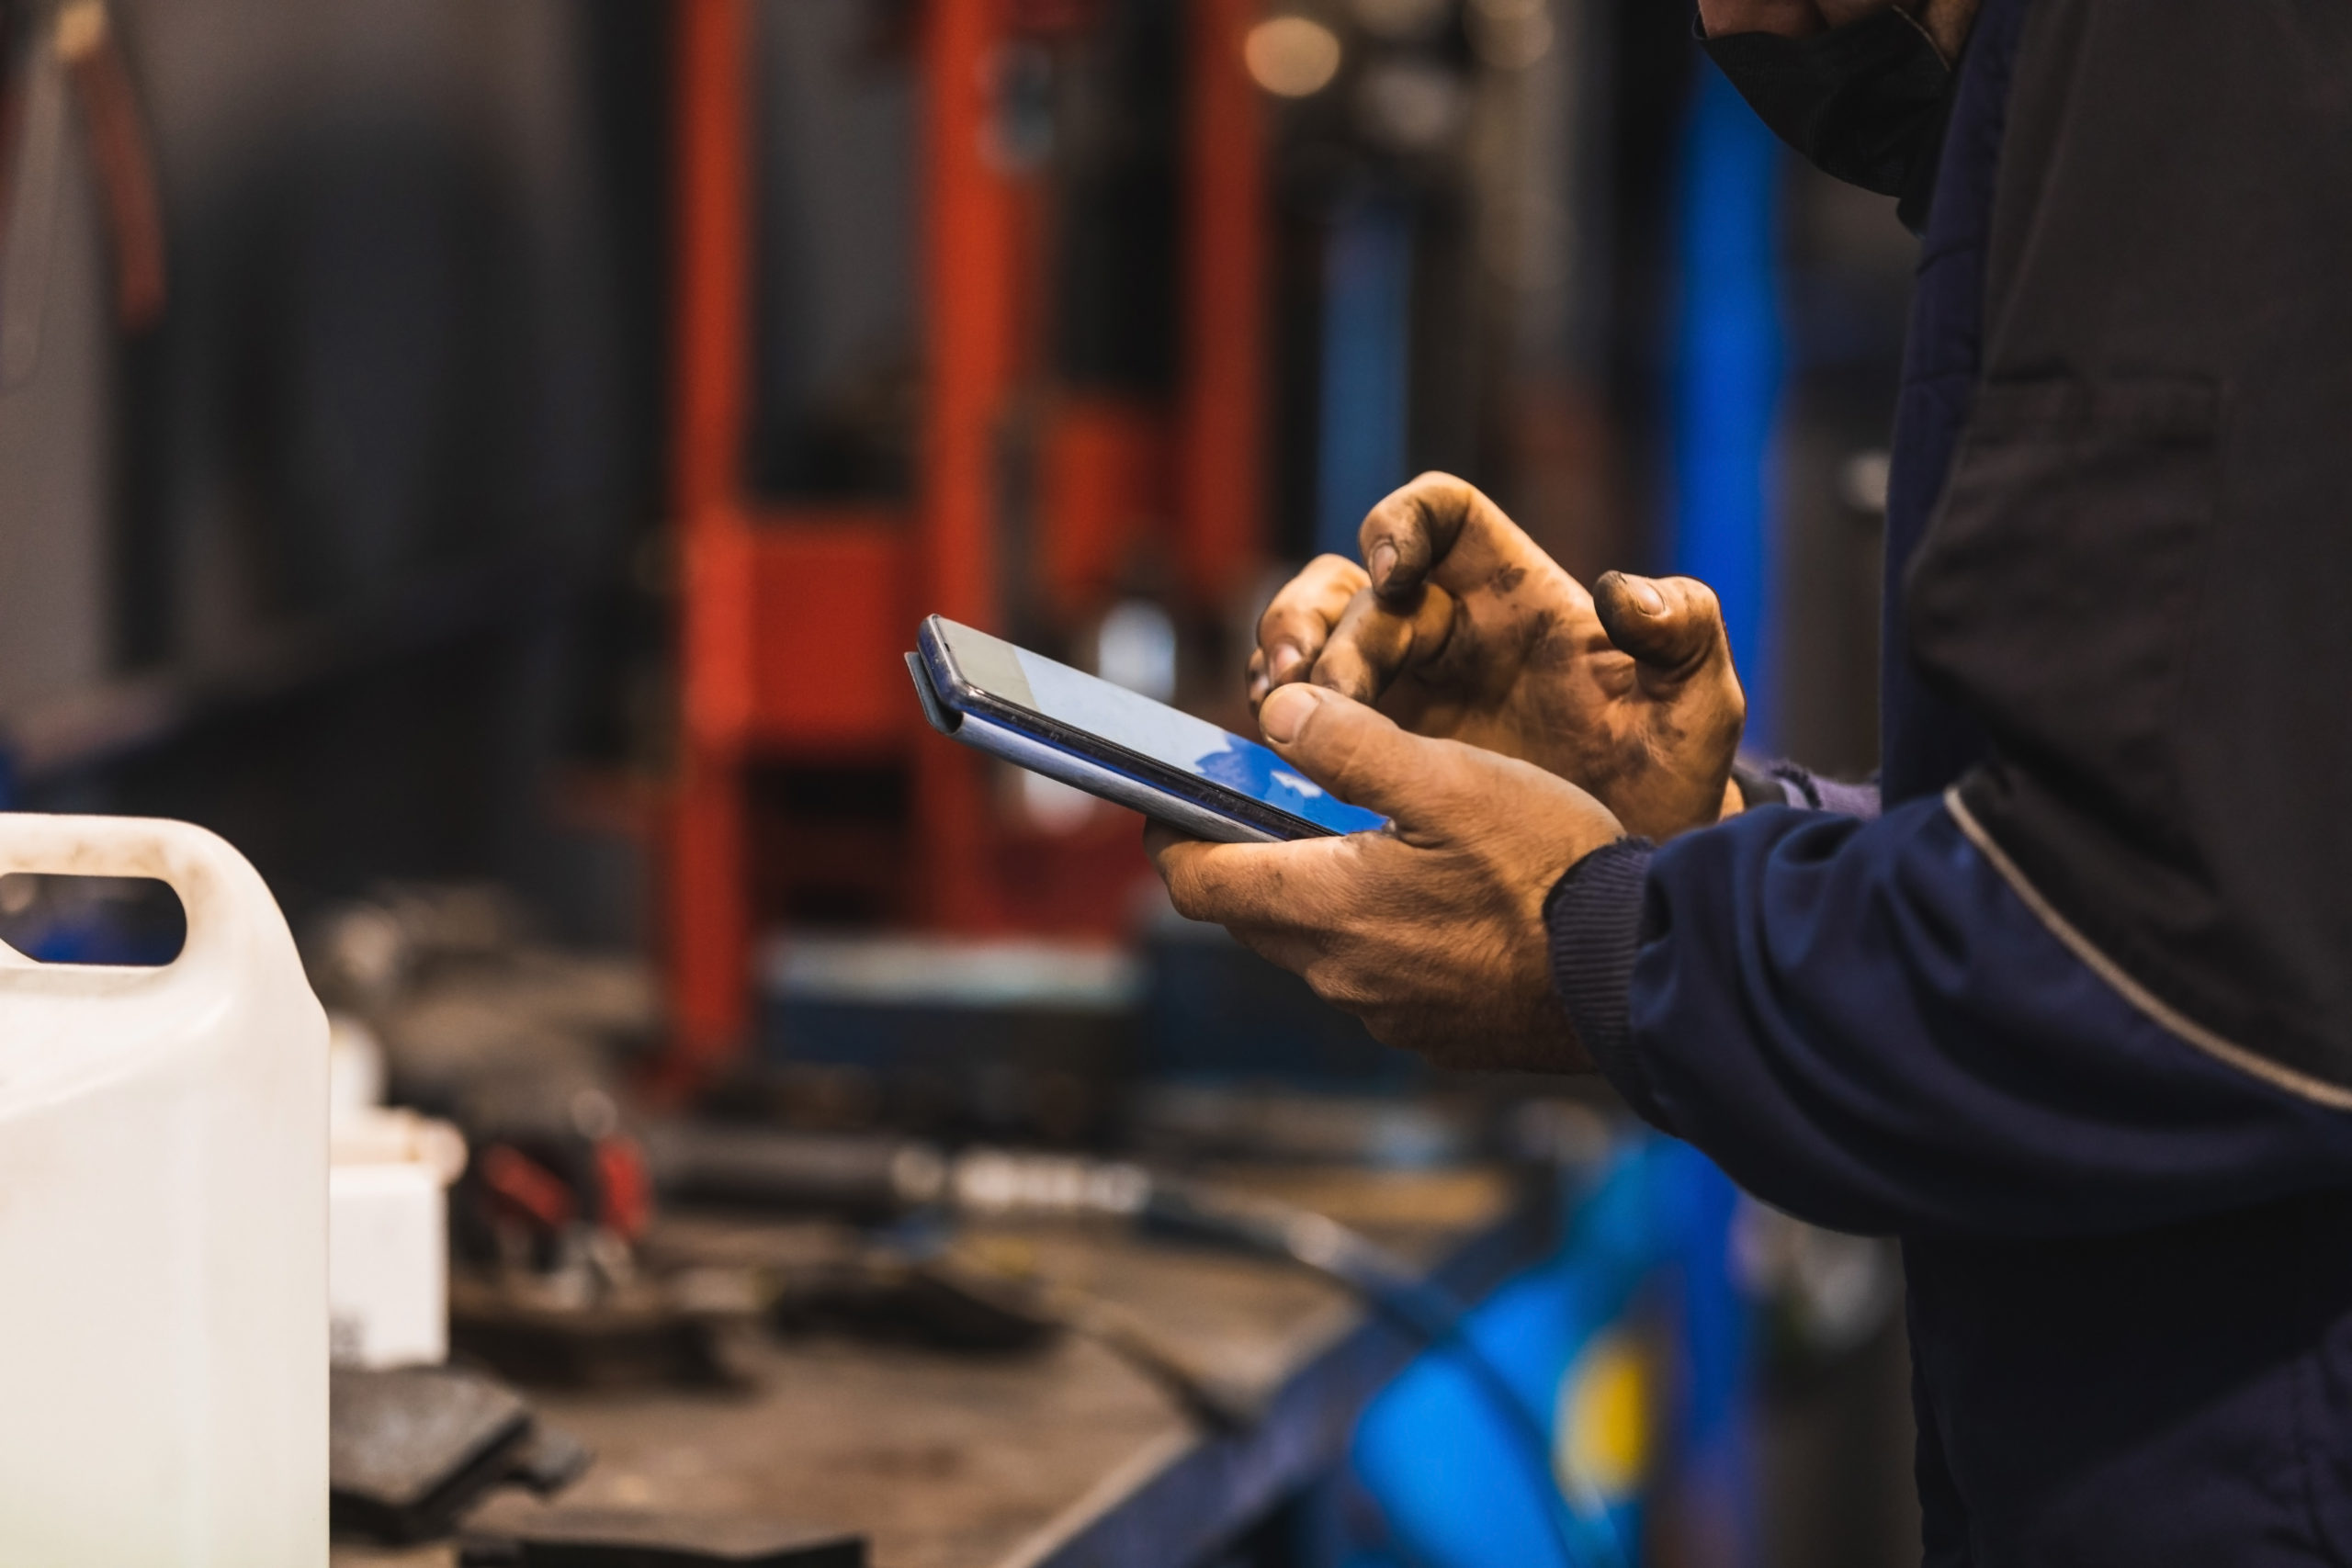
(404, 547)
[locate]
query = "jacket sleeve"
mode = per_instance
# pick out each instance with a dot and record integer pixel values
(1865, 1026)
(1787, 783)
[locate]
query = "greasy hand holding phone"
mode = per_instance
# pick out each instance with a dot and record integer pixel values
(1116, 744)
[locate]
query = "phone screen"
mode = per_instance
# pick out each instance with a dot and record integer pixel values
(1127, 719)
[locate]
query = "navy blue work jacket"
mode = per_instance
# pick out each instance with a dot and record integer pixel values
(2069, 1011)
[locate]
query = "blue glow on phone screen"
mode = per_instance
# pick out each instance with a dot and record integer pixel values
(1177, 739)
(1263, 775)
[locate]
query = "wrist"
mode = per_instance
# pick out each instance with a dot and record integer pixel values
(1593, 923)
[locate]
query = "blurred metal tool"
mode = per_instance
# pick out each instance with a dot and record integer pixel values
(1216, 1401)
(881, 1176)
(411, 1450)
(549, 1287)
(858, 1175)
(92, 54)
(618, 1538)
(74, 48)
(878, 1176)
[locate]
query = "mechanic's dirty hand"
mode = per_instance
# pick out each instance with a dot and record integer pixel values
(1431, 931)
(1464, 630)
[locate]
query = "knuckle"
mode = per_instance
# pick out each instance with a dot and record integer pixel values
(1335, 668)
(1697, 597)
(1409, 505)
(1331, 579)
(1285, 609)
(1436, 508)
(1436, 488)
(1305, 605)
(1349, 677)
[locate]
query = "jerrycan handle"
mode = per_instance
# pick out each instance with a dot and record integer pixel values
(218, 890)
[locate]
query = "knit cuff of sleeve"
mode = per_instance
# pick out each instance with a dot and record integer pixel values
(1593, 918)
(1810, 789)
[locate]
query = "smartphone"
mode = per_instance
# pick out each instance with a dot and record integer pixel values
(1117, 744)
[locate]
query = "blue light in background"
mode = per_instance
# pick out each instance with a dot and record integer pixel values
(1367, 353)
(1451, 1477)
(1727, 372)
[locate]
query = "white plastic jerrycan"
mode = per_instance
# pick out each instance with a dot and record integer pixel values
(163, 1229)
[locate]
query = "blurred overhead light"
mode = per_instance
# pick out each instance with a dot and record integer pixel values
(1510, 35)
(1051, 805)
(1411, 106)
(1137, 648)
(1862, 482)
(1400, 21)
(1291, 57)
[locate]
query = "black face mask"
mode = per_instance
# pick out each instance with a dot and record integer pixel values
(1866, 102)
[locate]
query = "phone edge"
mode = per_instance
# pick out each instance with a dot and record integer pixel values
(969, 701)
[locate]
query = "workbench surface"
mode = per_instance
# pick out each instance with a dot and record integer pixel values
(1068, 1455)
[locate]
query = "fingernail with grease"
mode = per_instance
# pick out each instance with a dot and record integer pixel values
(1283, 660)
(1383, 562)
(1646, 595)
(1286, 712)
